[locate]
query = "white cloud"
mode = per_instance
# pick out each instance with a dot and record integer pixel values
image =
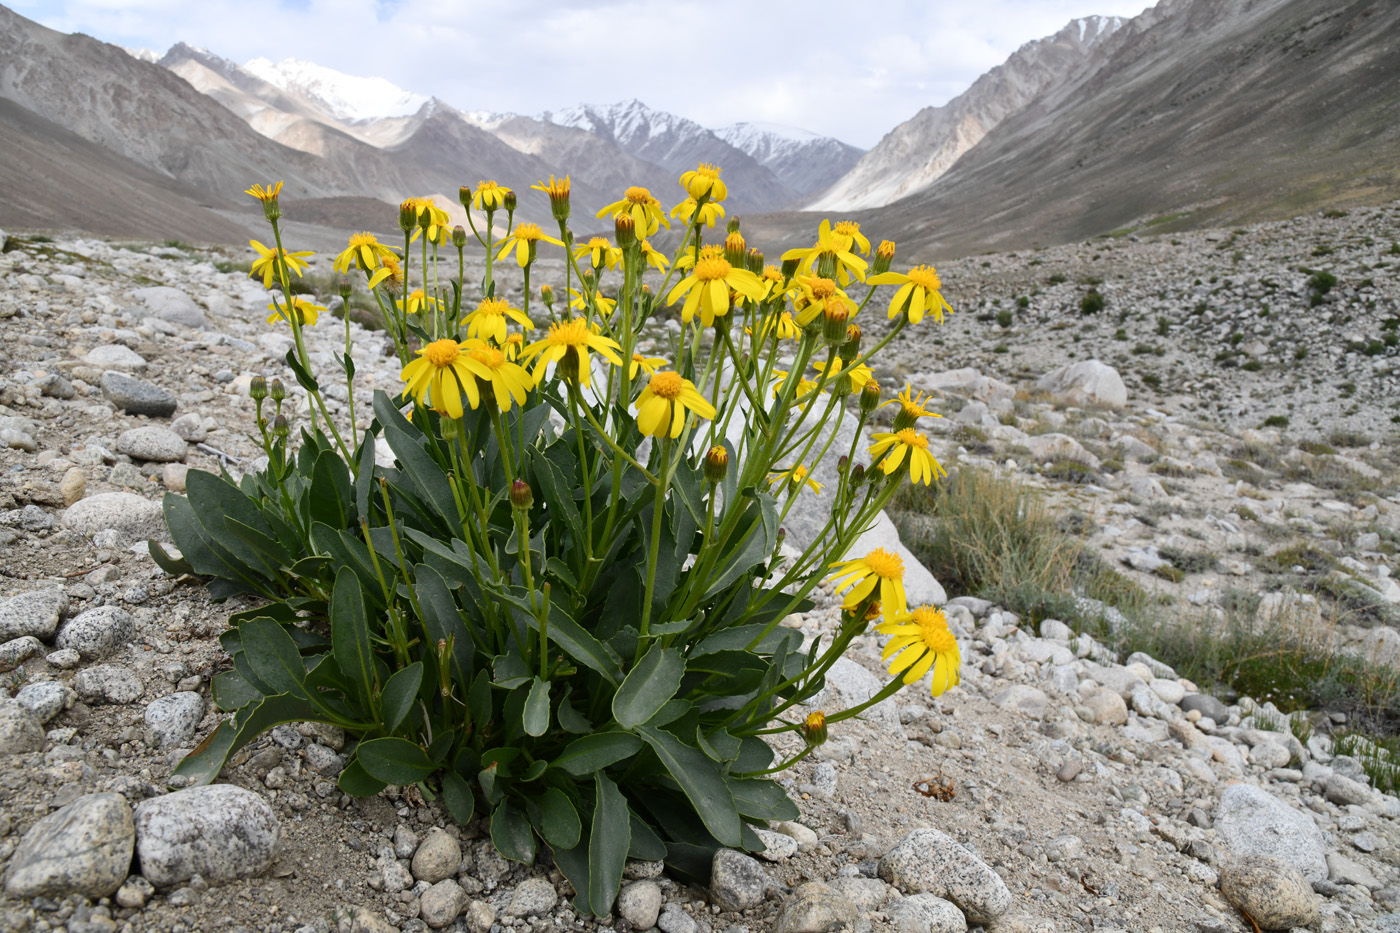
(852, 70)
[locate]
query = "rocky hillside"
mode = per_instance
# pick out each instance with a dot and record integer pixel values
(802, 160)
(1060, 787)
(913, 155)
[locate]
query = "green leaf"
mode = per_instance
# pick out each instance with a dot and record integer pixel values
(701, 782)
(762, 800)
(536, 718)
(399, 694)
(356, 781)
(591, 753)
(511, 832)
(646, 844)
(509, 671)
(395, 761)
(364, 479)
(608, 841)
(273, 656)
(758, 538)
(648, 686)
(332, 496)
(754, 755)
(479, 700)
(572, 637)
(418, 465)
(443, 620)
(304, 378)
(573, 862)
(175, 566)
(458, 796)
(555, 818)
(232, 692)
(207, 760)
(350, 639)
(557, 493)
(571, 720)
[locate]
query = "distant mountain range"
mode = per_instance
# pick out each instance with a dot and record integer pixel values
(1194, 112)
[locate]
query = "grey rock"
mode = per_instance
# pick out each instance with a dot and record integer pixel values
(134, 892)
(95, 633)
(19, 440)
(816, 908)
(16, 651)
(978, 607)
(931, 861)
(926, 913)
(1344, 790)
(326, 761)
(776, 846)
(920, 587)
(1344, 870)
(20, 730)
(131, 516)
(190, 427)
(364, 920)
(1106, 706)
(533, 897)
(481, 916)
(737, 881)
(136, 397)
(405, 840)
(35, 613)
(1088, 382)
(853, 684)
(442, 903)
(437, 857)
(1023, 698)
(173, 719)
(219, 832)
(173, 305)
(1270, 890)
(1207, 705)
(108, 683)
(865, 893)
(1269, 755)
(1251, 821)
(1060, 447)
(675, 920)
(46, 699)
(639, 903)
(116, 356)
(152, 442)
(83, 848)
(65, 659)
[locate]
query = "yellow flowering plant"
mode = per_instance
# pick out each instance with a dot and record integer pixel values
(561, 605)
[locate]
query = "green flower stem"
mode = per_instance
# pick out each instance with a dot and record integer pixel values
(576, 404)
(400, 642)
(776, 768)
(544, 634)
(658, 513)
(889, 690)
(391, 325)
(522, 553)
(608, 439)
(489, 280)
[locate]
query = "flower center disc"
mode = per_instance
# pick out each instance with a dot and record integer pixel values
(912, 438)
(924, 277)
(933, 629)
(823, 288)
(637, 195)
(493, 306)
(712, 268)
(667, 385)
(887, 565)
(442, 352)
(529, 232)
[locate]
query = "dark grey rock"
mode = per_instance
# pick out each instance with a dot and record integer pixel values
(1207, 705)
(220, 832)
(931, 861)
(35, 613)
(737, 881)
(1270, 890)
(136, 397)
(84, 848)
(96, 633)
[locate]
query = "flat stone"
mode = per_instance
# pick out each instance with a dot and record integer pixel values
(173, 305)
(639, 903)
(1268, 755)
(816, 908)
(153, 442)
(776, 846)
(97, 632)
(45, 699)
(116, 356)
(1106, 706)
(931, 861)
(1251, 821)
(1343, 870)
(136, 397)
(925, 913)
(73, 486)
(438, 856)
(1272, 891)
(219, 832)
(112, 684)
(442, 903)
(35, 613)
(172, 720)
(83, 848)
(737, 881)
(20, 730)
(131, 516)
(1343, 790)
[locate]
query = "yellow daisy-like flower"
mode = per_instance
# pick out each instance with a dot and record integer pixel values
(911, 408)
(488, 321)
(390, 271)
(804, 385)
(818, 294)
(558, 192)
(787, 328)
(796, 478)
(646, 364)
(579, 302)
(514, 343)
(568, 343)
(859, 375)
(523, 239)
(439, 377)
(644, 210)
(364, 250)
(599, 252)
(879, 573)
(704, 180)
(306, 312)
(430, 217)
(663, 403)
(711, 212)
(918, 293)
(688, 258)
(831, 250)
(654, 259)
(773, 281)
(850, 231)
(266, 263)
(416, 301)
(267, 194)
(489, 196)
(707, 288)
(922, 641)
(890, 450)
(505, 380)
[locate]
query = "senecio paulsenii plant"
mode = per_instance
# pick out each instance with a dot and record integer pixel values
(561, 604)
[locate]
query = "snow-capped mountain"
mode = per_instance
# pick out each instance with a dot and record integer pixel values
(914, 154)
(804, 161)
(677, 145)
(344, 97)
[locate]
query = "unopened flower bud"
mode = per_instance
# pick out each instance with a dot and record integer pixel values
(716, 464)
(884, 255)
(257, 388)
(732, 226)
(277, 390)
(459, 236)
(521, 496)
(408, 216)
(346, 290)
(814, 728)
(782, 533)
(843, 463)
(858, 474)
(826, 265)
(789, 267)
(547, 295)
(753, 261)
(834, 325)
(870, 397)
(464, 194)
(280, 428)
(625, 229)
(851, 348)
(508, 202)
(734, 248)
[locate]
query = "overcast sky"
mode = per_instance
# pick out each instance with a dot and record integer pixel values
(853, 70)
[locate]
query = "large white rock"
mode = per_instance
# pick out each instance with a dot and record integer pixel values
(134, 517)
(171, 304)
(1249, 820)
(1088, 382)
(220, 832)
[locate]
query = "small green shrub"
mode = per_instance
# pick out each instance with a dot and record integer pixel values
(1092, 302)
(1275, 421)
(1004, 317)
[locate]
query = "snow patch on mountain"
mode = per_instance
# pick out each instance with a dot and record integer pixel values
(344, 97)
